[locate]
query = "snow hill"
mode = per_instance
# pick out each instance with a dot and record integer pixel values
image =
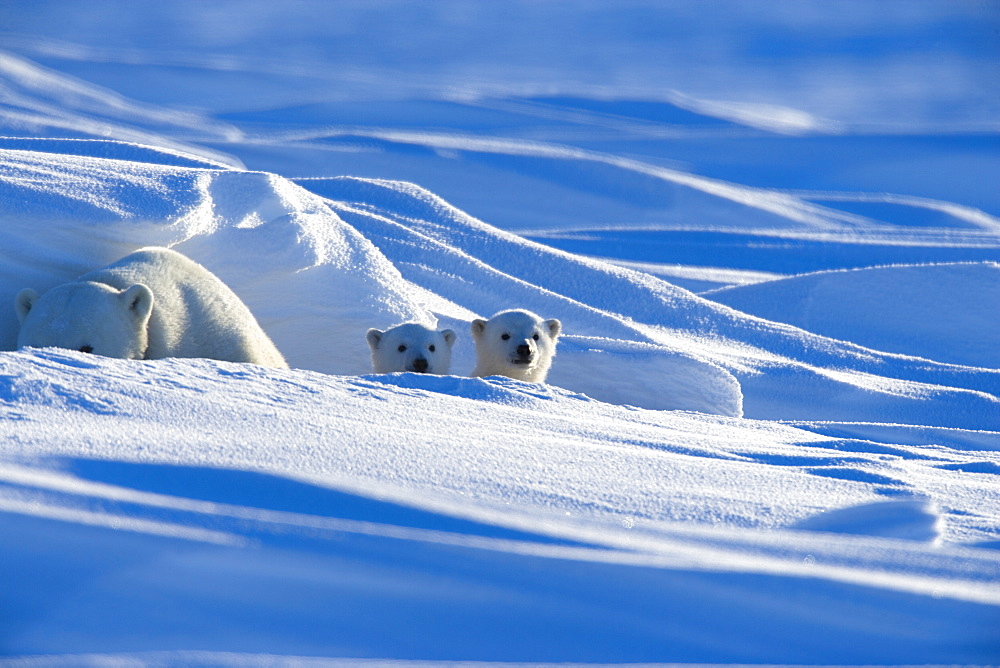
(939, 311)
(319, 270)
(771, 434)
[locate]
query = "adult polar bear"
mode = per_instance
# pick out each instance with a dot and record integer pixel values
(515, 343)
(151, 304)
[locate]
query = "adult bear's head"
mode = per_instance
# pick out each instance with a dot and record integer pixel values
(86, 316)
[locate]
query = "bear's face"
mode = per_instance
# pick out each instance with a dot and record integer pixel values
(411, 347)
(86, 316)
(518, 344)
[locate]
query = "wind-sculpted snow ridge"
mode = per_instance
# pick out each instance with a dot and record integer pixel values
(318, 477)
(936, 311)
(51, 103)
(312, 281)
(937, 213)
(784, 372)
(713, 203)
(319, 268)
(112, 149)
(190, 512)
(626, 462)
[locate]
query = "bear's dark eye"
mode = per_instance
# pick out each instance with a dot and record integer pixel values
(535, 336)
(401, 348)
(431, 347)
(505, 336)
(86, 349)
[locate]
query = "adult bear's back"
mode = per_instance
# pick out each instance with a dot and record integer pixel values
(194, 313)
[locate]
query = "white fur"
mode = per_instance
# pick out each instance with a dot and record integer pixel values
(411, 347)
(518, 344)
(151, 304)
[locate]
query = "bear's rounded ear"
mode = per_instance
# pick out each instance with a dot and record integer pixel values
(478, 327)
(138, 301)
(23, 302)
(554, 327)
(374, 337)
(449, 337)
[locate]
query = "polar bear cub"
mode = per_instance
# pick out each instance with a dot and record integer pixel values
(517, 343)
(151, 304)
(411, 347)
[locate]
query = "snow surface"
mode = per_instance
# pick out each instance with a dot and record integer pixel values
(946, 311)
(772, 430)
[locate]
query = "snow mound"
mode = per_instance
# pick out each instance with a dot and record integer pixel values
(313, 281)
(943, 312)
(542, 447)
(645, 375)
(350, 427)
(909, 519)
(531, 492)
(195, 512)
(297, 266)
(318, 267)
(659, 333)
(112, 149)
(333, 572)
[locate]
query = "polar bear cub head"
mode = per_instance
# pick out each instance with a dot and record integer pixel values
(86, 316)
(411, 347)
(517, 343)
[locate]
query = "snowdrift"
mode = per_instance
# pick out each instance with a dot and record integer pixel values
(320, 266)
(944, 312)
(357, 533)
(799, 468)
(314, 282)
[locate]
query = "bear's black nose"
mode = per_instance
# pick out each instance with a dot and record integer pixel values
(420, 364)
(524, 350)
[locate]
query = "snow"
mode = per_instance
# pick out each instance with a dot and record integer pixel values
(936, 311)
(771, 434)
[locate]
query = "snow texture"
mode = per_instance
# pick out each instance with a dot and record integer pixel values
(771, 434)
